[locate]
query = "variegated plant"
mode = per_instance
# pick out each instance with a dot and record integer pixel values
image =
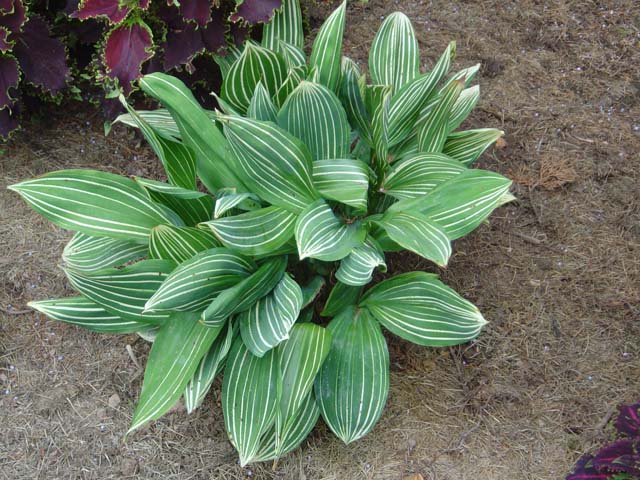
(312, 174)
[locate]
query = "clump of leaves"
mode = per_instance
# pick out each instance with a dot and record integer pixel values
(618, 460)
(312, 174)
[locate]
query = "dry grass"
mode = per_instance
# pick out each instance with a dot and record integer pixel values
(557, 274)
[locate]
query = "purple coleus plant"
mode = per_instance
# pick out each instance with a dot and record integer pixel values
(618, 460)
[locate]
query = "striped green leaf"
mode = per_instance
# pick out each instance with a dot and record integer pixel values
(466, 102)
(343, 180)
(192, 206)
(351, 94)
(176, 352)
(406, 103)
(352, 386)
(268, 322)
(229, 200)
(357, 268)
(419, 234)
(225, 61)
(246, 293)
(276, 164)
(292, 54)
(87, 254)
(420, 308)
(194, 283)
(341, 297)
(321, 235)
(461, 204)
(256, 64)
(178, 160)
(250, 395)
(179, 243)
(216, 166)
(286, 25)
(125, 291)
(326, 52)
(96, 203)
(378, 103)
(394, 55)
(294, 77)
(432, 134)
(468, 145)
(315, 115)
(418, 174)
(87, 314)
(259, 232)
(159, 120)
(208, 369)
(311, 290)
(261, 107)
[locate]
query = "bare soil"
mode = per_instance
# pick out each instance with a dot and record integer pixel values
(556, 273)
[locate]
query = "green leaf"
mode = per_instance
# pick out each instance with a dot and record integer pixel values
(432, 134)
(292, 54)
(179, 243)
(159, 120)
(351, 94)
(178, 160)
(321, 235)
(268, 321)
(394, 55)
(246, 293)
(276, 164)
(352, 386)
(174, 357)
(261, 107)
(466, 102)
(87, 314)
(462, 203)
(418, 307)
(124, 292)
(315, 115)
(294, 77)
(285, 26)
(87, 254)
(327, 49)
(259, 232)
(311, 290)
(96, 203)
(406, 103)
(229, 200)
(250, 396)
(343, 180)
(256, 64)
(418, 174)
(468, 145)
(216, 166)
(192, 206)
(341, 297)
(194, 283)
(357, 268)
(210, 366)
(419, 234)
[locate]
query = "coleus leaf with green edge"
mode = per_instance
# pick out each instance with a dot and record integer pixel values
(195, 282)
(267, 323)
(179, 244)
(127, 47)
(176, 352)
(326, 52)
(420, 308)
(352, 386)
(87, 254)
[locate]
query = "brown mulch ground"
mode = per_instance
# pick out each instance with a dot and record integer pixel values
(556, 273)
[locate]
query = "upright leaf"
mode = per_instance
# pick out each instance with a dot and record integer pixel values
(86, 253)
(343, 180)
(179, 243)
(394, 55)
(351, 94)
(418, 307)
(466, 102)
(352, 386)
(286, 26)
(327, 49)
(468, 145)
(159, 120)
(261, 107)
(432, 134)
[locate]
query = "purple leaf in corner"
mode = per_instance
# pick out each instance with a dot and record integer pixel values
(127, 48)
(42, 58)
(255, 11)
(198, 11)
(628, 420)
(584, 470)
(8, 122)
(112, 9)
(14, 20)
(620, 456)
(5, 43)
(9, 79)
(181, 46)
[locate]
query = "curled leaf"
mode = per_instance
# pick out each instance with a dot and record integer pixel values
(127, 48)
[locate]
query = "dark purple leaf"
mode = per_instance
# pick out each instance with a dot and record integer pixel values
(239, 33)
(71, 6)
(9, 79)
(620, 456)
(198, 11)
(255, 11)
(112, 9)
(628, 420)
(127, 48)
(42, 58)
(584, 470)
(6, 6)
(181, 46)
(14, 20)
(5, 43)
(213, 34)
(144, 4)
(8, 122)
